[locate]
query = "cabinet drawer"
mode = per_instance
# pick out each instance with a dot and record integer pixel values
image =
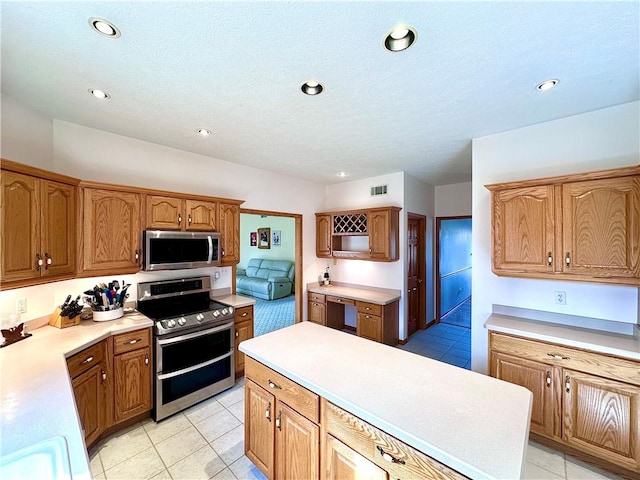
(599, 364)
(344, 301)
(316, 297)
(371, 308)
(379, 447)
(84, 360)
(297, 397)
(126, 342)
(244, 313)
(369, 326)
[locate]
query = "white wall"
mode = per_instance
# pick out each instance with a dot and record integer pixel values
(27, 135)
(597, 140)
(453, 200)
(92, 154)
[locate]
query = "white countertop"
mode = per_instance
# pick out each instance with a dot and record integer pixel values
(473, 423)
(625, 346)
(36, 397)
(236, 301)
(379, 296)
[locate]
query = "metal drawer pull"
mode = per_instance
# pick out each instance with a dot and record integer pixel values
(278, 420)
(557, 356)
(548, 379)
(131, 342)
(267, 412)
(86, 360)
(104, 375)
(567, 259)
(567, 383)
(146, 359)
(245, 314)
(549, 259)
(274, 385)
(389, 458)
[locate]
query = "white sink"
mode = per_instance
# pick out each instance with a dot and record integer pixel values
(45, 460)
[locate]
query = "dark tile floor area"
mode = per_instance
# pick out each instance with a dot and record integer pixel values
(446, 342)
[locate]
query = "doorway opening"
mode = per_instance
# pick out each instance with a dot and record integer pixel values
(281, 306)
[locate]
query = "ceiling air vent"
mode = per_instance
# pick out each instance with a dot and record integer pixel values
(379, 190)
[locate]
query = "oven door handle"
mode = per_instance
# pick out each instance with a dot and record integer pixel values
(164, 376)
(199, 333)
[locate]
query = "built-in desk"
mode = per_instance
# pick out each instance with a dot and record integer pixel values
(376, 310)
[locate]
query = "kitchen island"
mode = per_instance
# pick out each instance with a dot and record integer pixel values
(469, 423)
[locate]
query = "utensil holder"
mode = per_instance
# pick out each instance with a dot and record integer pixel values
(106, 315)
(59, 321)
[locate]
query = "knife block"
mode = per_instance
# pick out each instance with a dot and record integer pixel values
(59, 321)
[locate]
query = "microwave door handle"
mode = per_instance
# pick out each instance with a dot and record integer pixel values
(210, 240)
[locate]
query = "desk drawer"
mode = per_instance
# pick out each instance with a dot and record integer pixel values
(343, 301)
(84, 360)
(370, 308)
(381, 448)
(316, 297)
(297, 397)
(370, 326)
(127, 342)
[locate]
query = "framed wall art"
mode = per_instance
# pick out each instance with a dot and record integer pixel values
(275, 238)
(254, 239)
(264, 238)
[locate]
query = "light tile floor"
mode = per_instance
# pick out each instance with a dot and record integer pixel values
(206, 442)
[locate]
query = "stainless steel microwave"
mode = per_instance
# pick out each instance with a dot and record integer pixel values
(169, 250)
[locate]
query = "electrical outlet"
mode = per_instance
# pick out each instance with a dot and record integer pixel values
(21, 305)
(561, 298)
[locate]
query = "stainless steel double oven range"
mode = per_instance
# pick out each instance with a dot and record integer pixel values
(193, 342)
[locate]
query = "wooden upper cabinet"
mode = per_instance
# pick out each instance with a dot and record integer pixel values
(582, 227)
(383, 234)
(112, 231)
(323, 235)
(39, 229)
(174, 213)
(601, 227)
(229, 228)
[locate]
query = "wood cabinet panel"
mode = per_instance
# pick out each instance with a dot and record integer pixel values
(90, 401)
(259, 428)
(201, 215)
(244, 331)
(132, 383)
(381, 448)
(164, 212)
(294, 395)
(112, 231)
(317, 312)
(344, 463)
(297, 445)
(84, 360)
(130, 341)
(58, 223)
(602, 417)
(229, 221)
(369, 326)
(536, 377)
(323, 236)
(383, 235)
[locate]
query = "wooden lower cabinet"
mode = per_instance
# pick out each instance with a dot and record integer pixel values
(244, 331)
(317, 308)
(112, 381)
(344, 463)
(583, 401)
(259, 428)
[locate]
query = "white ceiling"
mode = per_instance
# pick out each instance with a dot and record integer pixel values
(236, 68)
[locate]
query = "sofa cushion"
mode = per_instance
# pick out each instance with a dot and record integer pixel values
(268, 279)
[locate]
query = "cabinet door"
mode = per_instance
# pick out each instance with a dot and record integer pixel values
(602, 417)
(244, 331)
(201, 215)
(20, 242)
(383, 239)
(132, 383)
(165, 213)
(343, 463)
(601, 227)
(323, 236)
(317, 313)
(297, 445)
(58, 228)
(369, 326)
(259, 427)
(523, 229)
(534, 376)
(112, 232)
(229, 220)
(89, 391)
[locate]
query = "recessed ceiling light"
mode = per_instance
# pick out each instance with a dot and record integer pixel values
(547, 84)
(102, 95)
(400, 38)
(342, 174)
(311, 88)
(204, 132)
(104, 27)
